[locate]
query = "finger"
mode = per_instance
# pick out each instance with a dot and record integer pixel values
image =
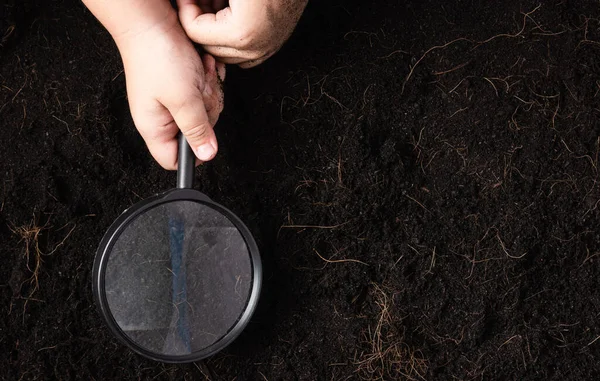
(209, 63)
(229, 52)
(158, 129)
(161, 142)
(234, 56)
(208, 28)
(213, 91)
(192, 119)
(214, 72)
(213, 109)
(188, 9)
(165, 153)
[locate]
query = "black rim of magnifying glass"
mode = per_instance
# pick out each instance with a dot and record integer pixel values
(183, 192)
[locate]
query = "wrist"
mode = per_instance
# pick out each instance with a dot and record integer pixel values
(147, 29)
(166, 36)
(128, 19)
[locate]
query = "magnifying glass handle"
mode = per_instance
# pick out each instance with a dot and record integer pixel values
(186, 164)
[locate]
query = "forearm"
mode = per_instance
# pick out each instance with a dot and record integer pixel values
(127, 18)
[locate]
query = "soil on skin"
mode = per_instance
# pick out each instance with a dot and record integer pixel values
(422, 179)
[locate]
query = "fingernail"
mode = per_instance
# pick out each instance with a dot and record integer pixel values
(206, 151)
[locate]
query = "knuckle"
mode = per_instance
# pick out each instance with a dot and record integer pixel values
(164, 127)
(197, 132)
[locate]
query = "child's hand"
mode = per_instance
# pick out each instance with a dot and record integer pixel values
(170, 88)
(247, 32)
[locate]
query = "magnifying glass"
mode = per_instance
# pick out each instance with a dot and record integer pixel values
(177, 276)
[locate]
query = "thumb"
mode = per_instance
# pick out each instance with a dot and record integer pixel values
(192, 120)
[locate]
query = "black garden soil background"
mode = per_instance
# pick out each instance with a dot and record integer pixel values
(421, 177)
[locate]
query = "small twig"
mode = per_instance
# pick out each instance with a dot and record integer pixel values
(506, 251)
(519, 33)
(458, 111)
(412, 69)
(45, 348)
(61, 242)
(392, 53)
(421, 205)
(491, 83)
(509, 340)
(336, 101)
(203, 369)
(338, 260)
(478, 43)
(432, 264)
(117, 76)
(453, 69)
(593, 341)
(63, 122)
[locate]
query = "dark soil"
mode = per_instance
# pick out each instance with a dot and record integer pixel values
(421, 177)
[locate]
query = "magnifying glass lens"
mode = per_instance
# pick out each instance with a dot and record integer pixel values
(178, 278)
